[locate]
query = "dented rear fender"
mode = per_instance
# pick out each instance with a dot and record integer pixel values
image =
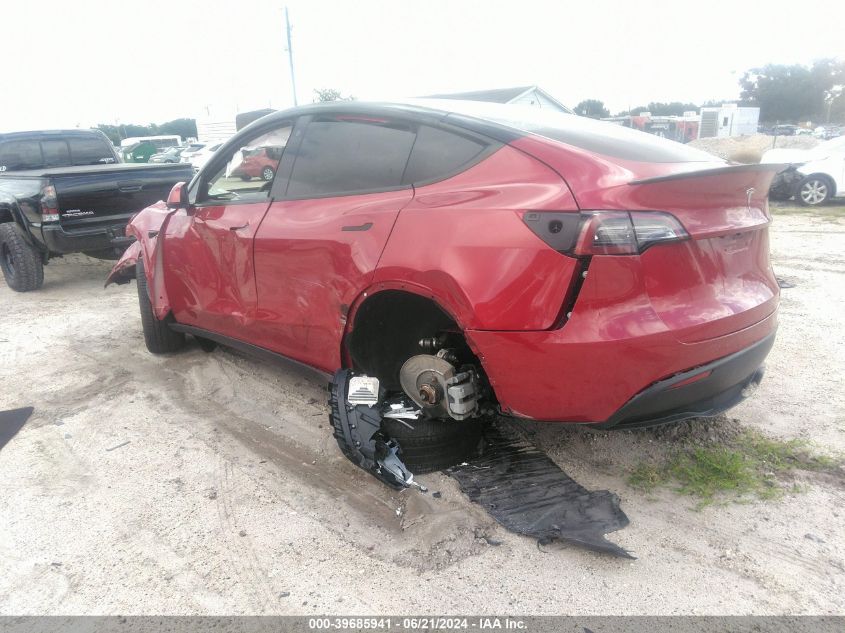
(124, 269)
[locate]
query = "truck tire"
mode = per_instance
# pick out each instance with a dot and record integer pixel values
(434, 444)
(22, 265)
(158, 336)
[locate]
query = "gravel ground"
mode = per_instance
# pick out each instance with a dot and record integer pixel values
(210, 483)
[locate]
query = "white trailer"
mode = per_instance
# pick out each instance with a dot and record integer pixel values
(729, 119)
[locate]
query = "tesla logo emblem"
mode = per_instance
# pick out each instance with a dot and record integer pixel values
(748, 193)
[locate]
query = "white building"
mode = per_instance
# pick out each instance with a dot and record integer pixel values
(521, 95)
(729, 119)
(216, 124)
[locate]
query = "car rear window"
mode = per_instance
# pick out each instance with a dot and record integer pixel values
(20, 155)
(600, 137)
(90, 151)
(438, 154)
(56, 153)
(41, 153)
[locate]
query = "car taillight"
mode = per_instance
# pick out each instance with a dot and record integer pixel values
(605, 232)
(49, 204)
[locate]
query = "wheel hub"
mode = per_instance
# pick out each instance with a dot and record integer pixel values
(814, 192)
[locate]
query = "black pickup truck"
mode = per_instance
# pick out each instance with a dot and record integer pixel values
(64, 192)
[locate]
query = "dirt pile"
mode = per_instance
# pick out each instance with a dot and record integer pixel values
(749, 149)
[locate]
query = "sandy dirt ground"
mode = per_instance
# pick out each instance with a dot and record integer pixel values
(210, 484)
(752, 145)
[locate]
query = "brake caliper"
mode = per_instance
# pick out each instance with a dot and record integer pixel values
(434, 384)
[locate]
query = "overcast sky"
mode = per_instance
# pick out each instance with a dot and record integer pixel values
(83, 62)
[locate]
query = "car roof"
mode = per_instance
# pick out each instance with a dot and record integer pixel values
(508, 122)
(37, 134)
(425, 110)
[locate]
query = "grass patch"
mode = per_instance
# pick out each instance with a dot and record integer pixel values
(751, 465)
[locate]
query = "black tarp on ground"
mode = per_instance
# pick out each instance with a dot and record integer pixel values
(527, 493)
(11, 422)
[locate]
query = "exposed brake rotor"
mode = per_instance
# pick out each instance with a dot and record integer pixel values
(424, 379)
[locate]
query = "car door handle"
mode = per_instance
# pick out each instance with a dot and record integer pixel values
(238, 228)
(129, 186)
(361, 227)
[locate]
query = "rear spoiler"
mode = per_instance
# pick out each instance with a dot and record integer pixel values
(717, 171)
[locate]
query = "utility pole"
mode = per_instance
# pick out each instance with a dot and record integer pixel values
(290, 57)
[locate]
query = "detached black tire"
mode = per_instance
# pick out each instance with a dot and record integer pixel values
(22, 265)
(434, 444)
(158, 336)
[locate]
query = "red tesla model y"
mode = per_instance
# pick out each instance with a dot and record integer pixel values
(473, 258)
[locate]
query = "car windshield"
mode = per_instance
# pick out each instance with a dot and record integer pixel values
(600, 137)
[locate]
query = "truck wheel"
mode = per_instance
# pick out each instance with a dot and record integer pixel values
(267, 173)
(434, 444)
(21, 264)
(158, 336)
(813, 190)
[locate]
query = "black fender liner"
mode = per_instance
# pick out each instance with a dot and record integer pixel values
(358, 432)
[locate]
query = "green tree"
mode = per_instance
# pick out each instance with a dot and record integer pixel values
(835, 102)
(592, 108)
(186, 128)
(118, 132)
(330, 94)
(792, 92)
(674, 108)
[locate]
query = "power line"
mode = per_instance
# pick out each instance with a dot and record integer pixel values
(290, 57)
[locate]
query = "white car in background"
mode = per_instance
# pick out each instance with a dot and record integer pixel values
(203, 155)
(814, 176)
(190, 150)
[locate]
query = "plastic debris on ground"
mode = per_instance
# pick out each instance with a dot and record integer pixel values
(527, 493)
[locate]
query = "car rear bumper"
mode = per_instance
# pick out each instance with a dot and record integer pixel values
(701, 392)
(57, 240)
(578, 376)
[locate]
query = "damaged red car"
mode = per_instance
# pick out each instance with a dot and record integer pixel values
(463, 259)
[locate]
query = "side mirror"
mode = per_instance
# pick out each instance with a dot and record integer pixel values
(178, 197)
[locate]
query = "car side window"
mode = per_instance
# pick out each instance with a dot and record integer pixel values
(348, 154)
(248, 171)
(438, 154)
